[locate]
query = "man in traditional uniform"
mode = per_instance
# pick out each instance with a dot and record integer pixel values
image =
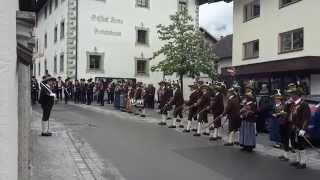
(46, 100)
(299, 115)
(193, 98)
(77, 94)
(67, 90)
(217, 107)
(83, 91)
(203, 106)
(139, 98)
(34, 90)
(164, 97)
(89, 91)
(232, 111)
(60, 85)
(178, 101)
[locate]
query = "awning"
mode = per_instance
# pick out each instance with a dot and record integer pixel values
(212, 1)
(307, 64)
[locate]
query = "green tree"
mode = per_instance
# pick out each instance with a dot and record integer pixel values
(185, 51)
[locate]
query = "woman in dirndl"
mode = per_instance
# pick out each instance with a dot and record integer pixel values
(248, 129)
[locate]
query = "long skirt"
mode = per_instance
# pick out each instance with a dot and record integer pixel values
(247, 134)
(117, 101)
(274, 130)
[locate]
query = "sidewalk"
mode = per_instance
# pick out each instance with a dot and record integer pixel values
(56, 157)
(263, 146)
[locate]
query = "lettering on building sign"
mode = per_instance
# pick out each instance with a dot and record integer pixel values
(106, 19)
(106, 32)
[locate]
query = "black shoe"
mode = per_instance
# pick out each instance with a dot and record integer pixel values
(213, 139)
(181, 126)
(136, 114)
(236, 143)
(206, 134)
(143, 115)
(172, 127)
(178, 120)
(219, 137)
(282, 158)
(186, 131)
(196, 134)
(228, 144)
(162, 123)
(130, 112)
(301, 166)
(211, 128)
(294, 164)
(168, 118)
(194, 130)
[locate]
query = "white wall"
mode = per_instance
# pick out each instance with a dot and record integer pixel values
(8, 91)
(224, 63)
(120, 51)
(273, 21)
(47, 26)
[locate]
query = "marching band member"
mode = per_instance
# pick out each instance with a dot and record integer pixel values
(178, 101)
(232, 111)
(192, 115)
(217, 108)
(298, 114)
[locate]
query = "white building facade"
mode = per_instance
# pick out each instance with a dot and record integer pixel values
(275, 42)
(108, 38)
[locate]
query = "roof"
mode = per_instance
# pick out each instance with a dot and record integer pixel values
(207, 34)
(223, 48)
(309, 64)
(212, 1)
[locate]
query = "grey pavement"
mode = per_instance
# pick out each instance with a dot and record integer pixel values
(138, 149)
(54, 158)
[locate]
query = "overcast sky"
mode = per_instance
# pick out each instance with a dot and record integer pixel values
(217, 18)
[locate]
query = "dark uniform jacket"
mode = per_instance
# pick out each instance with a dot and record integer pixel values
(217, 105)
(233, 108)
(194, 96)
(203, 102)
(178, 98)
(300, 115)
(45, 99)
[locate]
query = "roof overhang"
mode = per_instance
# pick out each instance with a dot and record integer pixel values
(27, 5)
(212, 1)
(307, 64)
(40, 4)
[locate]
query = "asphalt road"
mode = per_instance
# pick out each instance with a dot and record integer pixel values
(145, 151)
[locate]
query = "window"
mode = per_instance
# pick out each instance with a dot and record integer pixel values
(95, 61)
(62, 30)
(56, 2)
(39, 69)
(142, 36)
(182, 5)
(55, 34)
(141, 67)
(50, 6)
(55, 64)
(142, 3)
(45, 12)
(45, 41)
(284, 3)
(291, 41)
(252, 10)
(251, 49)
(61, 63)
